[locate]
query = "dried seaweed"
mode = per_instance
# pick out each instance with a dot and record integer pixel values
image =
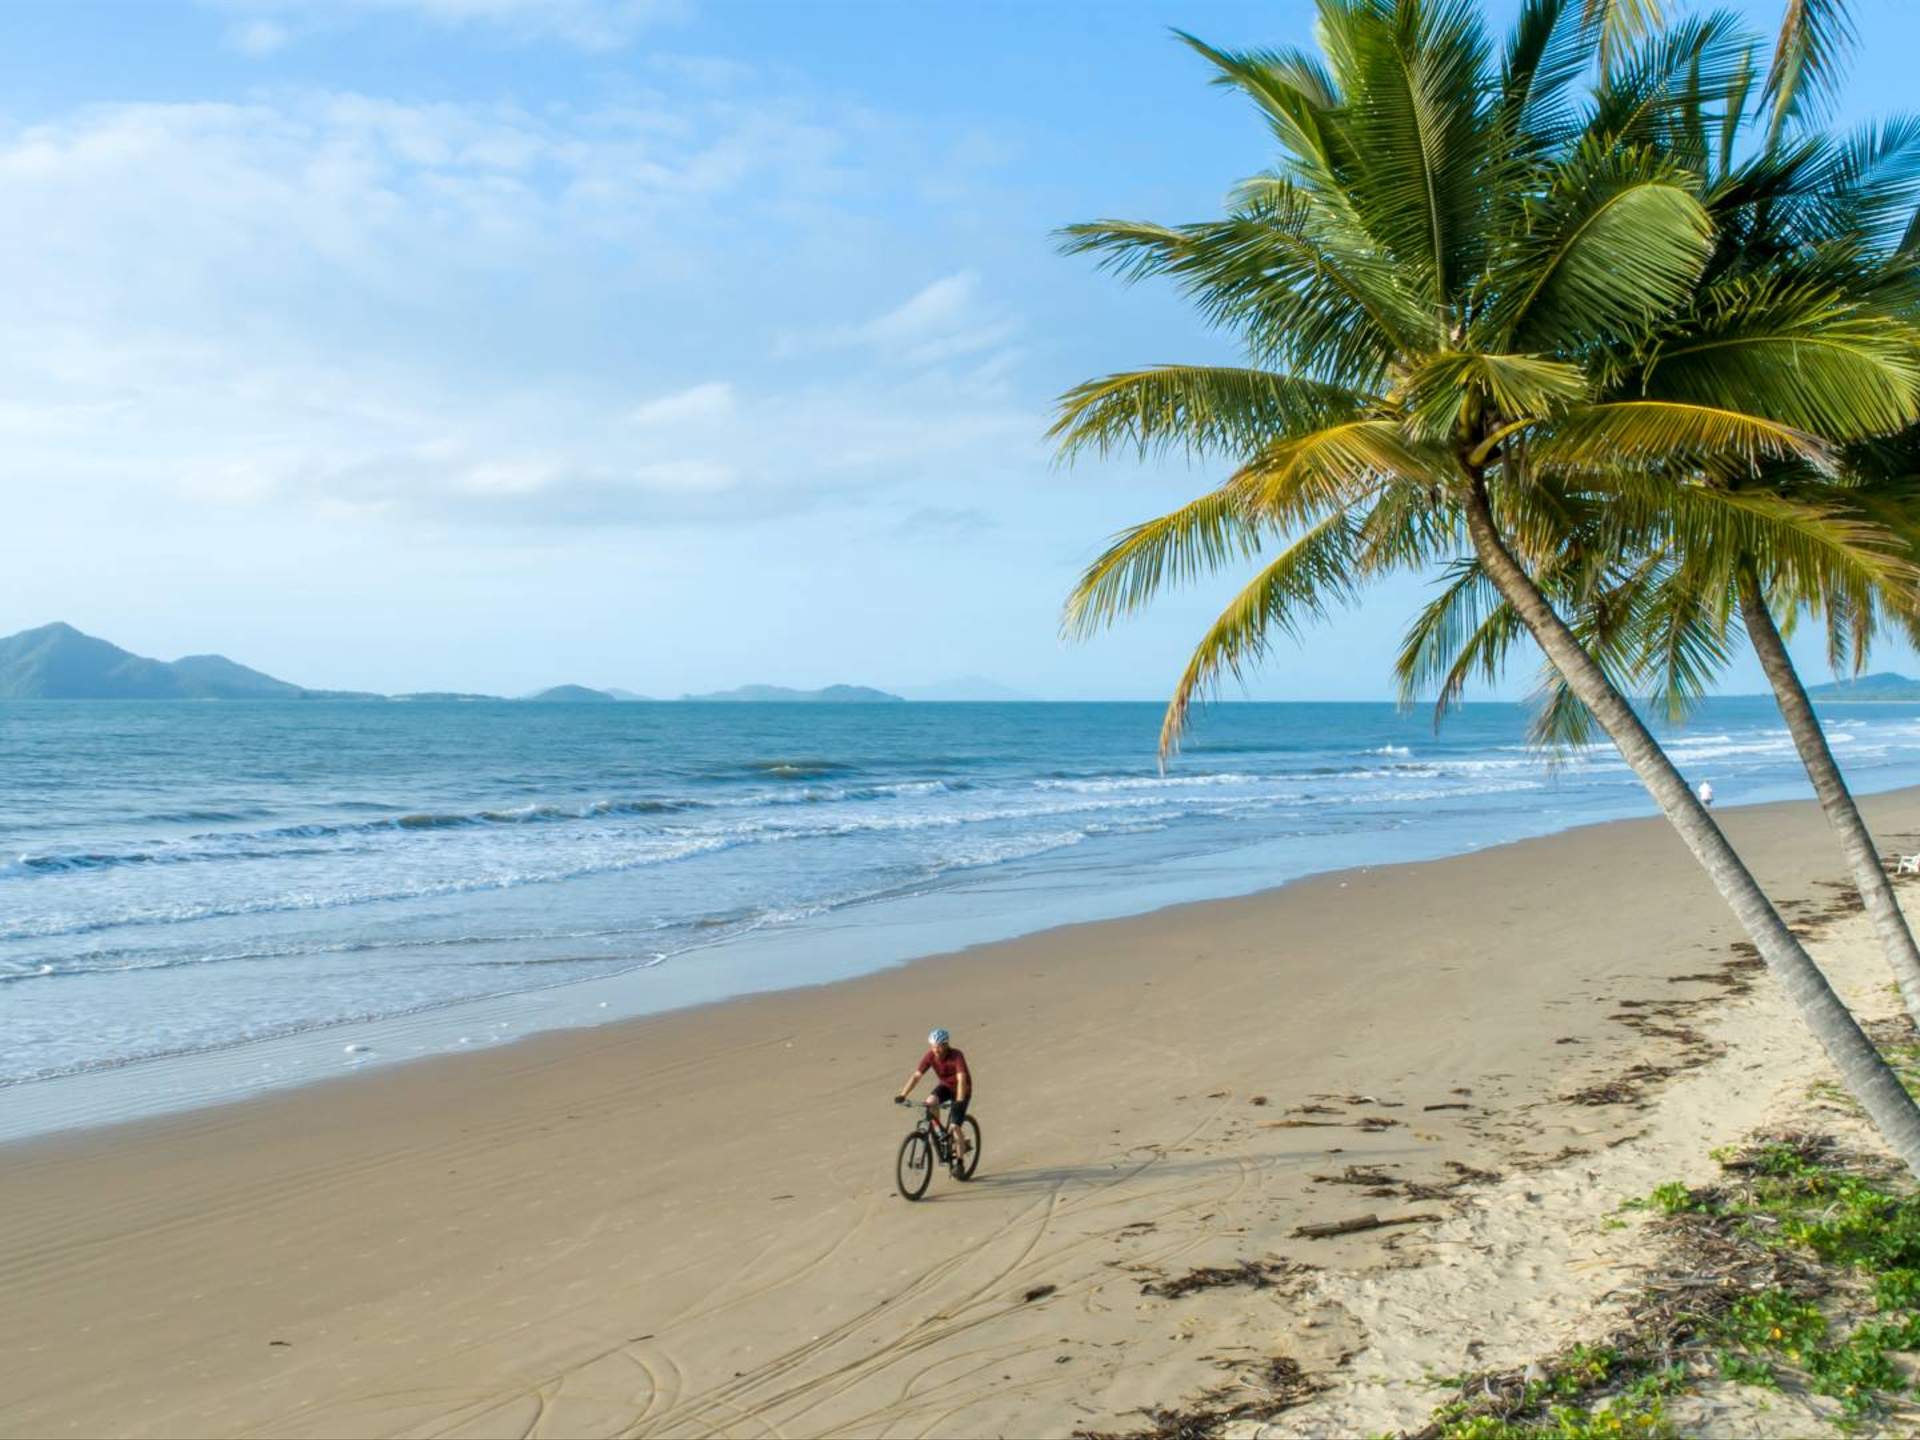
(1253, 1274)
(1275, 1387)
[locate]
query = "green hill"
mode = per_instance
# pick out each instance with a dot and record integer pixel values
(1885, 686)
(780, 694)
(571, 695)
(58, 662)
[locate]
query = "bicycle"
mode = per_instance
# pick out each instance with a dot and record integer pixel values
(928, 1140)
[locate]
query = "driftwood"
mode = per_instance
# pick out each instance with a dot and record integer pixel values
(1450, 1105)
(1358, 1223)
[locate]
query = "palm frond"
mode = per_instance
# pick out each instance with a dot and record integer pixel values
(1802, 354)
(1814, 38)
(1196, 408)
(1343, 464)
(1299, 585)
(1200, 537)
(1617, 239)
(1617, 24)
(1612, 434)
(1441, 395)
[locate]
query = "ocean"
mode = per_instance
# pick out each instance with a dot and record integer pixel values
(194, 879)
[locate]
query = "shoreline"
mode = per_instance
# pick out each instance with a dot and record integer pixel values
(685, 1223)
(731, 970)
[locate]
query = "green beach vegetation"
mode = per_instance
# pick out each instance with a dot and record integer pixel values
(1547, 316)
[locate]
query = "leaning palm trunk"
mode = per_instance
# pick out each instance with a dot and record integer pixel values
(1866, 1075)
(1863, 857)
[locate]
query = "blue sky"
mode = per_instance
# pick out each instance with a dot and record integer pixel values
(667, 344)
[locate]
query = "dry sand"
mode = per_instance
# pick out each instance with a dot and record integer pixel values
(687, 1226)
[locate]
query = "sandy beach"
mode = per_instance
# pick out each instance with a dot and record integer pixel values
(687, 1225)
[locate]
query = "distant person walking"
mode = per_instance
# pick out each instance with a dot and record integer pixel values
(1706, 794)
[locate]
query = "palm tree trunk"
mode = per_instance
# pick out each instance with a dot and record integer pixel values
(1863, 856)
(1867, 1077)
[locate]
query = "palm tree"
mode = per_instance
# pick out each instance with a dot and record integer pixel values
(1439, 289)
(1835, 221)
(1852, 192)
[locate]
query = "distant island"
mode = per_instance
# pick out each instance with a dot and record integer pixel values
(573, 695)
(1883, 687)
(58, 662)
(831, 695)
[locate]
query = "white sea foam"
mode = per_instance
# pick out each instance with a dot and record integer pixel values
(193, 912)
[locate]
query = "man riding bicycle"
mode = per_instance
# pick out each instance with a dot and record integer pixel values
(954, 1087)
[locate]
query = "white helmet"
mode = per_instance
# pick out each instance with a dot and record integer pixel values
(938, 1037)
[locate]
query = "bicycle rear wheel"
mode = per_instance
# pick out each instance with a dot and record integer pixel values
(965, 1172)
(913, 1171)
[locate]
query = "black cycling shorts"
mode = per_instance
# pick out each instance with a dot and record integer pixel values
(958, 1110)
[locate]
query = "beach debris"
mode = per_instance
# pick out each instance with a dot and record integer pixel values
(357, 1049)
(1256, 1100)
(1254, 1274)
(1448, 1105)
(1358, 1175)
(1357, 1224)
(1312, 1110)
(780, 1197)
(1038, 1292)
(1260, 1394)
(1305, 1124)
(1377, 1122)
(280, 1342)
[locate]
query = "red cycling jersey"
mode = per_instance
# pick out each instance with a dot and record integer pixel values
(949, 1070)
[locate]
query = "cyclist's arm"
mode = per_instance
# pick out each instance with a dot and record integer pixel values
(963, 1085)
(912, 1080)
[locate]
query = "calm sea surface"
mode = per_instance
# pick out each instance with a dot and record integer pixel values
(182, 878)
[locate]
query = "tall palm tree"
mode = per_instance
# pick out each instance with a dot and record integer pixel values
(1436, 289)
(1852, 193)
(1835, 221)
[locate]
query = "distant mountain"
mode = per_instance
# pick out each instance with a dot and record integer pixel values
(619, 694)
(58, 662)
(1884, 686)
(832, 695)
(571, 695)
(963, 687)
(215, 674)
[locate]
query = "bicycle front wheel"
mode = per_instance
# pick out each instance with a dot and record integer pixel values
(972, 1128)
(914, 1169)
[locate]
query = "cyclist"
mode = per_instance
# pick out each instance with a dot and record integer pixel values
(955, 1085)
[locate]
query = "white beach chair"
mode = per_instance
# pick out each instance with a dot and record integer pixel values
(1909, 865)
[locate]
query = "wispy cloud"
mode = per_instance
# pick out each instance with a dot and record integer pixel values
(713, 400)
(947, 320)
(363, 309)
(262, 27)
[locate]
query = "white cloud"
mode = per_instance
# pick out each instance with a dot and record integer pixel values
(585, 24)
(711, 401)
(258, 38)
(358, 310)
(944, 321)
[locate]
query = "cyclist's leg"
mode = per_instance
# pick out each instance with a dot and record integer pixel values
(941, 1095)
(956, 1113)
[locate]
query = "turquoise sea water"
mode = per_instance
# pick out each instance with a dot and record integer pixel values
(182, 878)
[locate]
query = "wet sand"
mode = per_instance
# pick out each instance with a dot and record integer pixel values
(686, 1225)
